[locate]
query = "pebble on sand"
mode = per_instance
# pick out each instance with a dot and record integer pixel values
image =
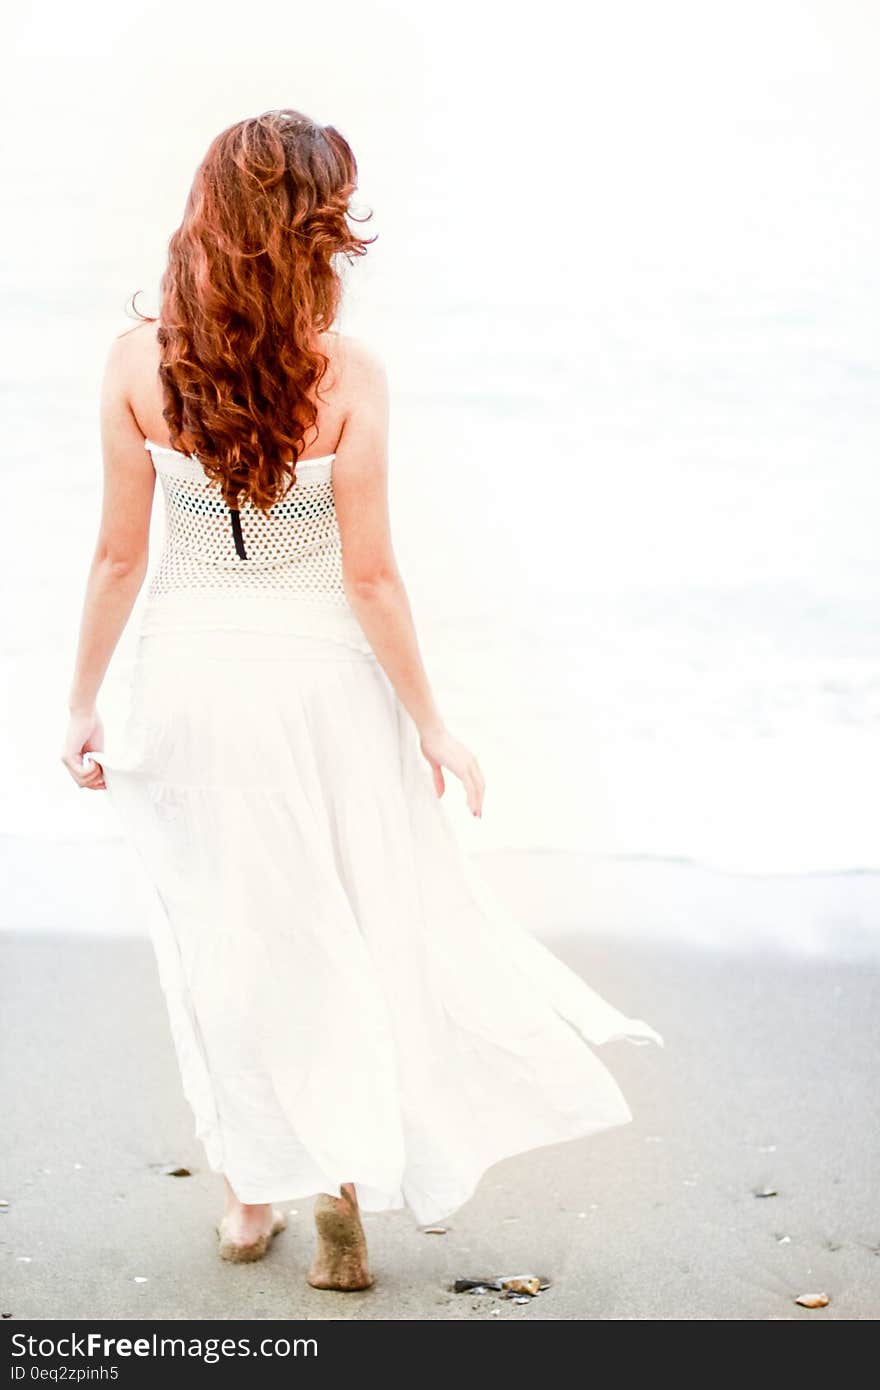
(522, 1284)
(813, 1300)
(508, 1285)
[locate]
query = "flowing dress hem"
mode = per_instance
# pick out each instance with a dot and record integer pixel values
(374, 1199)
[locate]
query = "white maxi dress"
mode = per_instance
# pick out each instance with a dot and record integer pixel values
(347, 1000)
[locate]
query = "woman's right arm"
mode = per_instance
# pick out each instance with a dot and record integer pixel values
(373, 583)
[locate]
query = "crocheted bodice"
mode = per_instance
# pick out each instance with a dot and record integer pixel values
(292, 552)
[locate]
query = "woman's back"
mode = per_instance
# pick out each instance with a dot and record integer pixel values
(277, 569)
(338, 389)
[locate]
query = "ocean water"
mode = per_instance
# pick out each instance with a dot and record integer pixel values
(630, 327)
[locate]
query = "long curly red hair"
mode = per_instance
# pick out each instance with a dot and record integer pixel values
(252, 281)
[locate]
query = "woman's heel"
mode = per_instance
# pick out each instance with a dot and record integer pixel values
(237, 1253)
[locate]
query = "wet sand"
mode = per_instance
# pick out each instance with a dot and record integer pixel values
(766, 1082)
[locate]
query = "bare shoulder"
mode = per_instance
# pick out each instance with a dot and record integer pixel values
(129, 349)
(360, 369)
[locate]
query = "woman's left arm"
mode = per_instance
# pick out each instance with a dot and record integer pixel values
(119, 563)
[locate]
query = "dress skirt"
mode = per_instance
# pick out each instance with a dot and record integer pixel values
(347, 1000)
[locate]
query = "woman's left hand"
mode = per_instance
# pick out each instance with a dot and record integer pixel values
(85, 733)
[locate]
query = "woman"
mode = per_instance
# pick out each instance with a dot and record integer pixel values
(353, 1016)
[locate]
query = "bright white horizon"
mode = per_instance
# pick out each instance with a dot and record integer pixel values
(626, 285)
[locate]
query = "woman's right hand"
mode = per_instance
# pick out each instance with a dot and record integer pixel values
(85, 734)
(443, 751)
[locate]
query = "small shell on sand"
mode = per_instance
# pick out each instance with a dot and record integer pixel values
(813, 1300)
(507, 1284)
(522, 1284)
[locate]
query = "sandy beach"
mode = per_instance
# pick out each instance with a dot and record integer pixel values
(765, 1084)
